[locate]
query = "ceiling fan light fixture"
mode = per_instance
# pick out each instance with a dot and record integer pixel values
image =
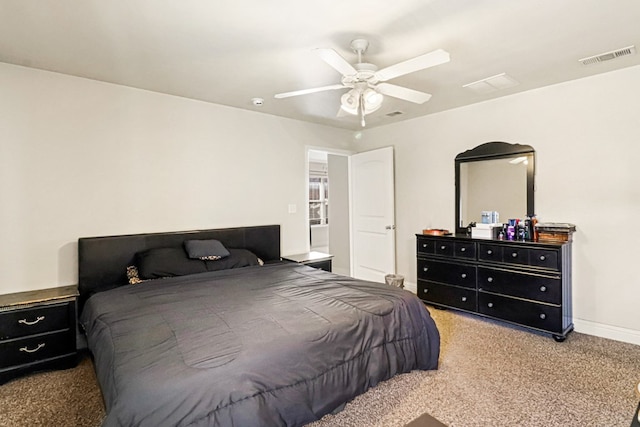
(372, 99)
(349, 102)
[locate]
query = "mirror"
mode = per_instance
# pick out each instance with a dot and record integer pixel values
(495, 176)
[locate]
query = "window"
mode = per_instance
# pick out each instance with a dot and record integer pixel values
(318, 198)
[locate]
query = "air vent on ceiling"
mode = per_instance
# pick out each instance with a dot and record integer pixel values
(394, 113)
(492, 84)
(607, 56)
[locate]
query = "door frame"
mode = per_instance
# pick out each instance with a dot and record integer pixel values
(335, 151)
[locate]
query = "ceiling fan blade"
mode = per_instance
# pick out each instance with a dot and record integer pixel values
(421, 62)
(307, 91)
(403, 93)
(334, 59)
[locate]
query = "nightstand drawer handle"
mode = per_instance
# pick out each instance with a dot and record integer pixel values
(463, 249)
(26, 322)
(463, 275)
(489, 252)
(443, 247)
(542, 258)
(25, 349)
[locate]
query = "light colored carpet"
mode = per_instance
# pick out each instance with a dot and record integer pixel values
(490, 375)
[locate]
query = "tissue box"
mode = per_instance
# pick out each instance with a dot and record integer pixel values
(484, 231)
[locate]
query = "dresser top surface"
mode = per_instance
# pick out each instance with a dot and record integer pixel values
(38, 296)
(464, 237)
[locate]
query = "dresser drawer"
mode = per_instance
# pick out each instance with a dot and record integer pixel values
(488, 252)
(36, 348)
(523, 285)
(464, 250)
(444, 247)
(425, 246)
(545, 258)
(447, 273)
(34, 320)
(540, 316)
(450, 296)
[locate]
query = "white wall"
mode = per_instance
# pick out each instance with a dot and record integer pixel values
(586, 134)
(84, 158)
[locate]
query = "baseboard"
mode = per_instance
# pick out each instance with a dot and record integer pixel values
(616, 333)
(411, 287)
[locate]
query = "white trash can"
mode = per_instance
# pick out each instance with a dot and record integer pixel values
(394, 280)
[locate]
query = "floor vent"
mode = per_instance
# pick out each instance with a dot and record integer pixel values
(607, 56)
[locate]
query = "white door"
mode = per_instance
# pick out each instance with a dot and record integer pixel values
(373, 215)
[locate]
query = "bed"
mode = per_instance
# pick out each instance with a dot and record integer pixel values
(262, 344)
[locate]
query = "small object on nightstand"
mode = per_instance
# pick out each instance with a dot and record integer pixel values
(313, 259)
(37, 331)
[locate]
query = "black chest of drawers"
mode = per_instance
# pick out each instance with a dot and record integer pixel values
(37, 331)
(524, 283)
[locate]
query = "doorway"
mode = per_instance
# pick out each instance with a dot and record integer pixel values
(351, 210)
(328, 206)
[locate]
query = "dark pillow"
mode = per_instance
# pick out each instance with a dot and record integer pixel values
(167, 262)
(209, 250)
(237, 258)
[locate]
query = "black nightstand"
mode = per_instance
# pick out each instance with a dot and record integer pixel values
(37, 331)
(312, 259)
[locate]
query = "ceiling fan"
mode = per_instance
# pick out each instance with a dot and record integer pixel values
(366, 82)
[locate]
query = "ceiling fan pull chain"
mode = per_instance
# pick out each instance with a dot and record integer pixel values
(361, 105)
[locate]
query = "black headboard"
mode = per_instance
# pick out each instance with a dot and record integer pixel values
(103, 261)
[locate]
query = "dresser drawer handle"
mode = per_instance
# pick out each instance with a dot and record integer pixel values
(463, 249)
(425, 268)
(489, 279)
(426, 291)
(424, 245)
(489, 252)
(542, 258)
(26, 322)
(25, 349)
(490, 305)
(543, 288)
(514, 254)
(464, 299)
(443, 247)
(543, 316)
(463, 275)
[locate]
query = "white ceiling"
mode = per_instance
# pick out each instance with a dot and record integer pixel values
(229, 51)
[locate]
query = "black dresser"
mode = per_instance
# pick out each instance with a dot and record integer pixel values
(525, 283)
(37, 331)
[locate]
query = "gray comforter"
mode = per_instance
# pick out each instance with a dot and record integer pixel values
(257, 346)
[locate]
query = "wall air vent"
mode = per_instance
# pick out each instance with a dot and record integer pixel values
(394, 113)
(607, 56)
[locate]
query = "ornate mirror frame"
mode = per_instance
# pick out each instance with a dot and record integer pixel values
(493, 151)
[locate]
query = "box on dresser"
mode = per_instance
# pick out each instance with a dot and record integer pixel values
(525, 283)
(37, 331)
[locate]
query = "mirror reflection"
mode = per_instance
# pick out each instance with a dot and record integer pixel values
(493, 185)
